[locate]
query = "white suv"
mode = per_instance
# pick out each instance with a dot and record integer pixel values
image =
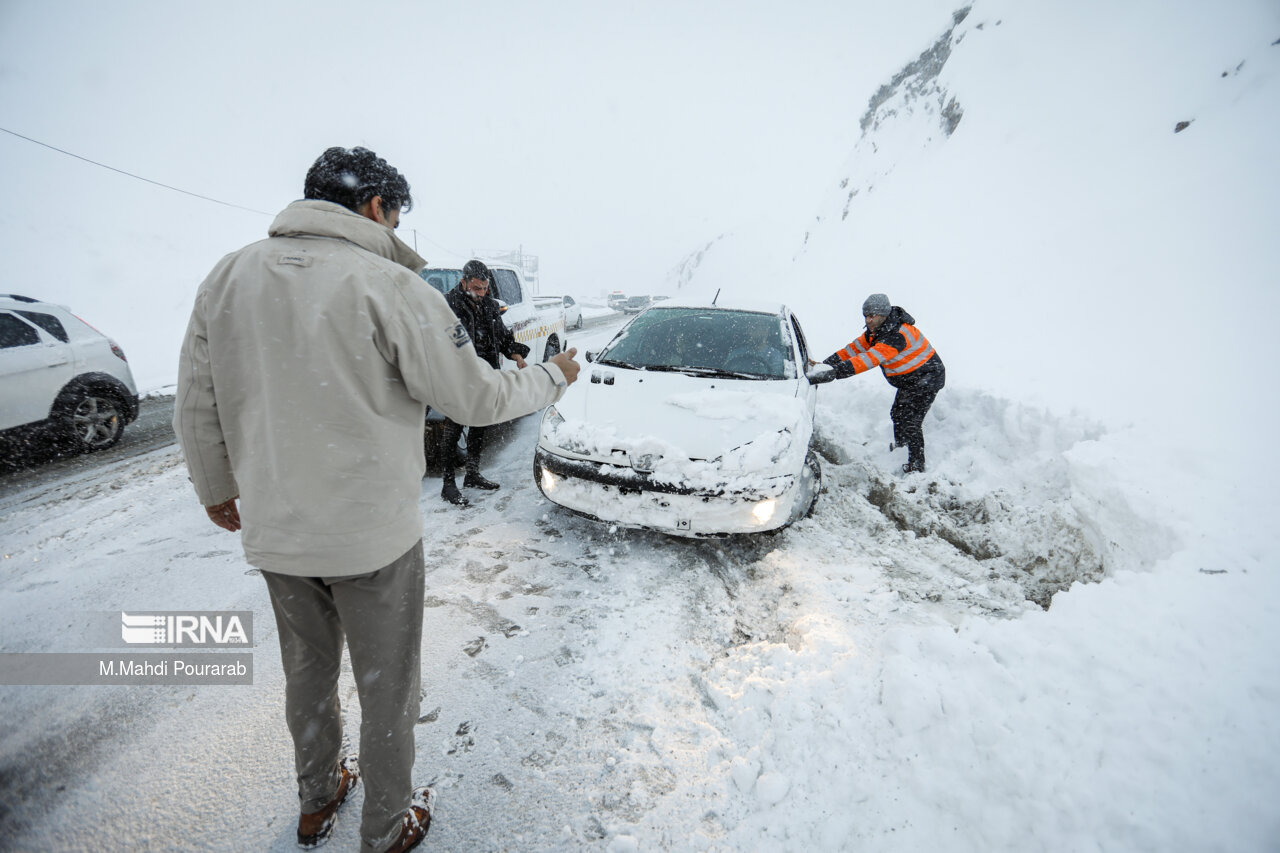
(60, 373)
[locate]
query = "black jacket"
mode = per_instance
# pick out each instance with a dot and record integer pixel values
(483, 321)
(931, 375)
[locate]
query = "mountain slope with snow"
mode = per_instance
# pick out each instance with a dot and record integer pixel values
(1018, 185)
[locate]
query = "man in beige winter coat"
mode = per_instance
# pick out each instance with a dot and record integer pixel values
(303, 380)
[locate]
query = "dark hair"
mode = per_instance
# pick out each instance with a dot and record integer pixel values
(475, 269)
(352, 176)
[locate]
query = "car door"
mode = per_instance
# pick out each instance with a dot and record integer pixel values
(34, 367)
(807, 390)
(519, 314)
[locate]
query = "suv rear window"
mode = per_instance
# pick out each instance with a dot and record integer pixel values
(48, 322)
(15, 333)
(442, 280)
(508, 286)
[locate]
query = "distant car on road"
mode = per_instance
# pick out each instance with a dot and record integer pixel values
(572, 310)
(695, 420)
(615, 300)
(61, 377)
(635, 304)
(572, 313)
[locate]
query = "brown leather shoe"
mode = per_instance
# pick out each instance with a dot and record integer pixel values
(315, 828)
(416, 821)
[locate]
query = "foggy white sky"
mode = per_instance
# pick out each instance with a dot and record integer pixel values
(583, 131)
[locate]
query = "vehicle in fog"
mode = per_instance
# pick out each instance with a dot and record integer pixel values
(635, 304)
(572, 310)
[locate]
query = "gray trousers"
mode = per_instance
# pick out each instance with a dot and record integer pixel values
(380, 615)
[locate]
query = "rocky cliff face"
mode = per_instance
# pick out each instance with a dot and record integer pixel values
(912, 110)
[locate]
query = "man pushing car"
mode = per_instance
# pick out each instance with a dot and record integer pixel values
(894, 344)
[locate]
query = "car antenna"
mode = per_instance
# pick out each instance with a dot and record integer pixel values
(717, 296)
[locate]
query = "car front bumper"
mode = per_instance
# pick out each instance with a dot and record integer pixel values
(623, 496)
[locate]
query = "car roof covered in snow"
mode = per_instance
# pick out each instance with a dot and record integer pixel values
(722, 303)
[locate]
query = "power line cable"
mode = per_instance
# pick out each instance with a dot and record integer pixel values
(132, 175)
(184, 192)
(444, 249)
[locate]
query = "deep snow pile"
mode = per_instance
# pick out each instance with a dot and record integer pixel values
(1006, 501)
(878, 705)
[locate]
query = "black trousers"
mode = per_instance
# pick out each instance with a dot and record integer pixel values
(911, 405)
(909, 408)
(449, 435)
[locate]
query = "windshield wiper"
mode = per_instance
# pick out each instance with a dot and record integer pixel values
(713, 372)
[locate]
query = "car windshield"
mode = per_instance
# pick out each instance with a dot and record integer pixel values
(703, 342)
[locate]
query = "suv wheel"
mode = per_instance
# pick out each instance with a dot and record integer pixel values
(93, 421)
(552, 349)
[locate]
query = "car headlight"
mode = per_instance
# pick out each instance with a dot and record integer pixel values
(763, 511)
(551, 419)
(552, 434)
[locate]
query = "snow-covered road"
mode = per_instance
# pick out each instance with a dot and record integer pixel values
(872, 678)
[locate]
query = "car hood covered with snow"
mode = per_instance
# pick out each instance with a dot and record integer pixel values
(686, 430)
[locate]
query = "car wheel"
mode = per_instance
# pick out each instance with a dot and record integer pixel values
(552, 349)
(813, 470)
(93, 421)
(578, 325)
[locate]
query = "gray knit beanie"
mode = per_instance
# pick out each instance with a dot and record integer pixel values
(877, 304)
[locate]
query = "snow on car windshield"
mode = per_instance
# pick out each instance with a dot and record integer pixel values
(704, 339)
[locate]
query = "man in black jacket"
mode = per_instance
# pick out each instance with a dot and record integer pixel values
(482, 317)
(893, 343)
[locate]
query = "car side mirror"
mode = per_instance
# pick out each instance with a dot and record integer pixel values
(820, 374)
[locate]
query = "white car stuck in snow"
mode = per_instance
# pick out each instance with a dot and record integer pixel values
(695, 420)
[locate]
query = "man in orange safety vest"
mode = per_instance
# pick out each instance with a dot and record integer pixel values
(910, 363)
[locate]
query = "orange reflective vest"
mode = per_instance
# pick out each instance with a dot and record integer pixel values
(862, 355)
